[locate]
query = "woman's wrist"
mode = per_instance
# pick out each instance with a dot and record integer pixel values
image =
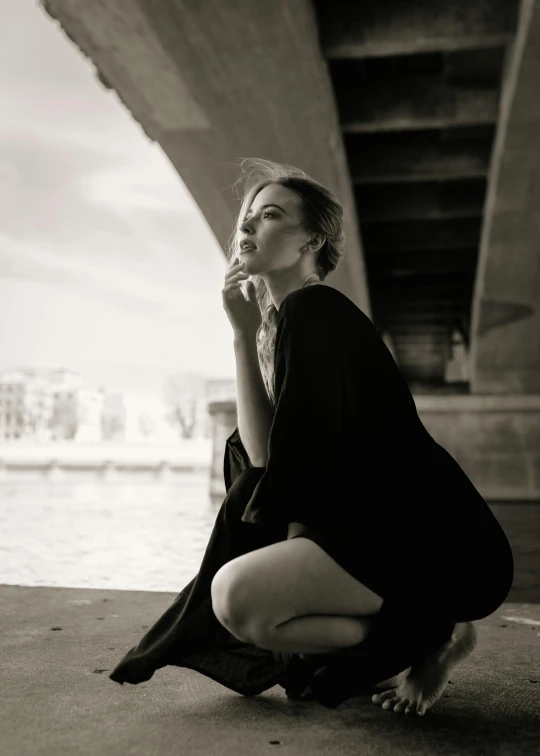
(245, 337)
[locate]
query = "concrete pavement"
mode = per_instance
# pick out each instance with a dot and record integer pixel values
(59, 644)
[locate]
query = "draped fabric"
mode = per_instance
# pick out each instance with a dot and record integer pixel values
(188, 633)
(305, 448)
(349, 457)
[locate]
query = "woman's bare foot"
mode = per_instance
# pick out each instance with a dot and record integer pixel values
(392, 682)
(424, 683)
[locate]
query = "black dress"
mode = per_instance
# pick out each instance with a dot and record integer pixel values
(349, 457)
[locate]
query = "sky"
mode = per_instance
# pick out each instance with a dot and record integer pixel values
(107, 266)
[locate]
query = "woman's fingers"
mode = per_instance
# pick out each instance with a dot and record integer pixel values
(236, 277)
(233, 268)
(233, 281)
(235, 274)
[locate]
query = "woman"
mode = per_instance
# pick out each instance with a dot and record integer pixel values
(350, 547)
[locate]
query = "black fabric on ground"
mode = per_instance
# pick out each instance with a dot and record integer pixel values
(188, 633)
(350, 458)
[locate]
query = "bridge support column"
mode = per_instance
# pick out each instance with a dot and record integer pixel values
(223, 422)
(495, 439)
(505, 331)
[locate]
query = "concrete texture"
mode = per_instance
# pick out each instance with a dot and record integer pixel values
(386, 103)
(59, 645)
(495, 439)
(363, 30)
(505, 348)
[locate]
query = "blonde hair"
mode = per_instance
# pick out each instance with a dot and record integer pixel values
(321, 213)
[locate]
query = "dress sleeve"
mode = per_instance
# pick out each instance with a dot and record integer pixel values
(306, 434)
(236, 459)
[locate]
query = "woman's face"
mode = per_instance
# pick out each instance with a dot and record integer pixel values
(273, 225)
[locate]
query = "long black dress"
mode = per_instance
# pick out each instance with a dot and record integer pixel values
(349, 457)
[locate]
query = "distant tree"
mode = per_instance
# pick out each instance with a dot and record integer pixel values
(181, 393)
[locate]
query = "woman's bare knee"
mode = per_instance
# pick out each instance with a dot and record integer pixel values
(227, 602)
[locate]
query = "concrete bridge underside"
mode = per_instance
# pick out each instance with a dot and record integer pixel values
(216, 81)
(424, 120)
(440, 121)
(422, 117)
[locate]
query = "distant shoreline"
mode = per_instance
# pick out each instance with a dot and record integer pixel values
(104, 461)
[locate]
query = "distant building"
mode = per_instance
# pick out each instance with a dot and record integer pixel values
(48, 405)
(26, 406)
(76, 409)
(113, 417)
(56, 405)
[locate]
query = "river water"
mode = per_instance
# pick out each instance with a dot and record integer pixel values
(152, 535)
(125, 535)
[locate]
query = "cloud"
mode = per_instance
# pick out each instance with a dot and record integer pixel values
(138, 293)
(106, 250)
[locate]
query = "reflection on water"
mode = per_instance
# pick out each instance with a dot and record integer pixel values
(93, 535)
(152, 537)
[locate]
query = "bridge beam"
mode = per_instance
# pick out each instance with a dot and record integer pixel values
(416, 102)
(420, 156)
(394, 27)
(419, 201)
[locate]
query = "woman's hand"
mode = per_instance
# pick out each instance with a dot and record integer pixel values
(244, 314)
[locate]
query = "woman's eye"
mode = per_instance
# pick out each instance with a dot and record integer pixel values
(266, 213)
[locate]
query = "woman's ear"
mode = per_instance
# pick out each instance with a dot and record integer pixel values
(316, 242)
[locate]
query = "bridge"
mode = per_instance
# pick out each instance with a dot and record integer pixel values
(423, 118)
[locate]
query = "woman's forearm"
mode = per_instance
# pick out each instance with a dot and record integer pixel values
(254, 409)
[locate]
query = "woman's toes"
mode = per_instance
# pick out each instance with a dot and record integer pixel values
(401, 704)
(390, 703)
(380, 698)
(411, 708)
(421, 709)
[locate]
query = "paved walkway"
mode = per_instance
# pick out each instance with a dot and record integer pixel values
(58, 645)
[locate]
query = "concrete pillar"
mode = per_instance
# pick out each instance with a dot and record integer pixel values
(505, 329)
(223, 421)
(495, 439)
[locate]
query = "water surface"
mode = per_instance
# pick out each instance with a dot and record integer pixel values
(152, 536)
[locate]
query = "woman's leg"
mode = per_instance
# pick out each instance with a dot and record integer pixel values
(292, 596)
